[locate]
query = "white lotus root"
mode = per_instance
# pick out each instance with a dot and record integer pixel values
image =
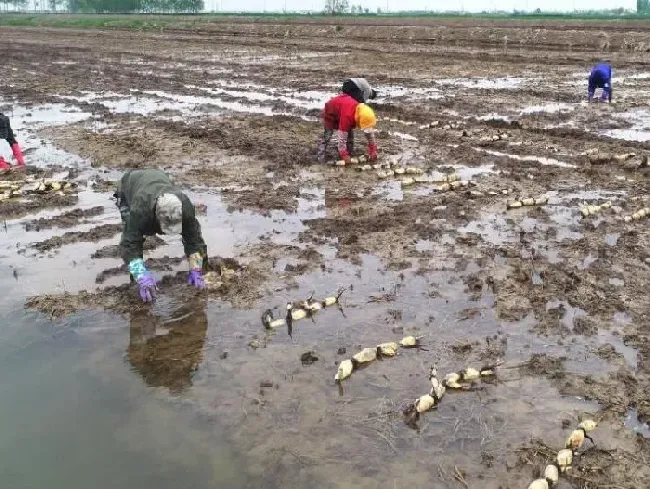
(12, 189)
(344, 370)
(565, 456)
(299, 311)
(515, 204)
(638, 215)
(590, 210)
(367, 355)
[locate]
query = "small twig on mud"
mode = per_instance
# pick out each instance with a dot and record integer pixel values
(459, 476)
(390, 443)
(243, 408)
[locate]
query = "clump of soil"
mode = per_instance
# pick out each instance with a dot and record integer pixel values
(104, 231)
(165, 264)
(543, 364)
(12, 209)
(240, 287)
(66, 220)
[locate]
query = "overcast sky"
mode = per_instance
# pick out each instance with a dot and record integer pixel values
(449, 5)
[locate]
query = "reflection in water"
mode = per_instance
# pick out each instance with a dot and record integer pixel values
(167, 353)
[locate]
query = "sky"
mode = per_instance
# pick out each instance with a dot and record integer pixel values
(433, 5)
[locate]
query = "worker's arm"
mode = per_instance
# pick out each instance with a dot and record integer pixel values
(346, 124)
(195, 248)
(131, 246)
(592, 86)
(609, 83)
(372, 145)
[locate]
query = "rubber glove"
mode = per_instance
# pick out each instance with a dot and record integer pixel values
(372, 151)
(147, 284)
(195, 278)
(144, 278)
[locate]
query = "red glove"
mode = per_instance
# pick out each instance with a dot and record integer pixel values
(372, 151)
(345, 156)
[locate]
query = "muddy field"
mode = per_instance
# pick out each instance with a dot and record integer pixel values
(230, 110)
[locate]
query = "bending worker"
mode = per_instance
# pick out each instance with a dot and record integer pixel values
(150, 204)
(7, 134)
(601, 77)
(359, 89)
(343, 114)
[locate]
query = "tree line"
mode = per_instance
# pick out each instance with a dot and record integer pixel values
(109, 6)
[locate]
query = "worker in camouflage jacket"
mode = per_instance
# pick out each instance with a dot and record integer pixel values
(150, 204)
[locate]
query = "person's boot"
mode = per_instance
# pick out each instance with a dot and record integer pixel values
(4, 165)
(18, 154)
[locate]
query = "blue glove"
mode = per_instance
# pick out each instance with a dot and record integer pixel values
(195, 278)
(145, 279)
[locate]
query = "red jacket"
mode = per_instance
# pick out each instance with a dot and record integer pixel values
(339, 113)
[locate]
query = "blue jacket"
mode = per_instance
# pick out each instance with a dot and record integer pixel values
(600, 74)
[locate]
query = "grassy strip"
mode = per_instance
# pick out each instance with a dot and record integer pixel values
(142, 21)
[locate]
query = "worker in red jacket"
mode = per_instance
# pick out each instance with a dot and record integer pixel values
(343, 114)
(7, 134)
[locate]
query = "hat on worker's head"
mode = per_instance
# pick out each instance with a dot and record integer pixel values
(365, 118)
(169, 212)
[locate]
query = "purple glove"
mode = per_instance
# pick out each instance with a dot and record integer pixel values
(147, 287)
(195, 278)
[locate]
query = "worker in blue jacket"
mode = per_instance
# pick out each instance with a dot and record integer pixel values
(601, 77)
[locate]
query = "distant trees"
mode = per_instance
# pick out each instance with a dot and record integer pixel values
(55, 4)
(336, 7)
(13, 4)
(117, 6)
(643, 6)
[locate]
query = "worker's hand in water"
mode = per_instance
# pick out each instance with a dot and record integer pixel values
(372, 152)
(147, 284)
(195, 278)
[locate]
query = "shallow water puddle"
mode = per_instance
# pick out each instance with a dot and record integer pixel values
(632, 423)
(540, 159)
(614, 338)
(483, 83)
(640, 130)
(551, 108)
(28, 120)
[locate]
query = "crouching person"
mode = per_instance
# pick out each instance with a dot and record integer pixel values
(150, 204)
(343, 114)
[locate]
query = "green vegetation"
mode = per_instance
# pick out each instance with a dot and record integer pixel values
(158, 20)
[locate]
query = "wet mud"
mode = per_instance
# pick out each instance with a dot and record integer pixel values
(98, 233)
(230, 110)
(65, 220)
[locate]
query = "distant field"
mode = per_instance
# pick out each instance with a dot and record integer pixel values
(144, 21)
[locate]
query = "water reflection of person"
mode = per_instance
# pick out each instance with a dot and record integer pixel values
(166, 353)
